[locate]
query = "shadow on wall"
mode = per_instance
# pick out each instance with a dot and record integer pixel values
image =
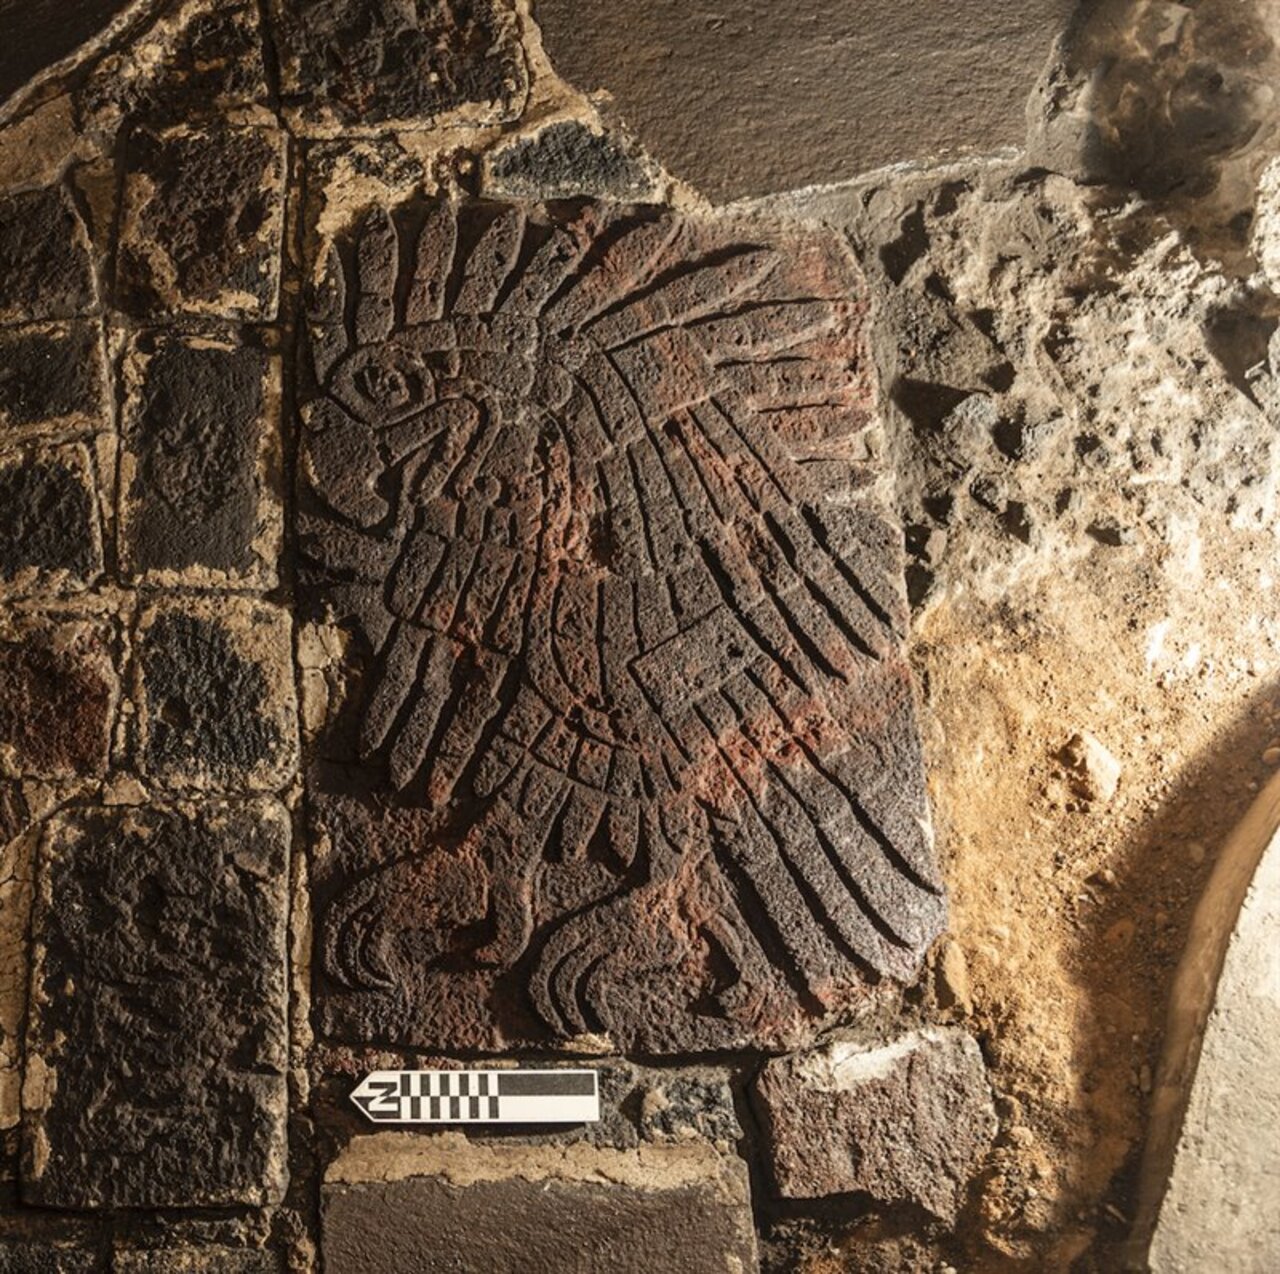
(1176, 102)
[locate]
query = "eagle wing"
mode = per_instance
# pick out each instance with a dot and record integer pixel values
(597, 489)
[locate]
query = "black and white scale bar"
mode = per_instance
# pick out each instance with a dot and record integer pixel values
(480, 1097)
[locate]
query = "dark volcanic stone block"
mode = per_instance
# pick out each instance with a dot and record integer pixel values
(58, 692)
(44, 258)
(354, 62)
(201, 59)
(51, 377)
(909, 1121)
(199, 473)
(201, 223)
(628, 622)
(35, 1257)
(49, 532)
(567, 160)
(156, 1049)
(493, 1209)
(215, 693)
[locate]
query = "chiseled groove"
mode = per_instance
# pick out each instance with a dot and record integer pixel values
(654, 707)
(602, 245)
(868, 600)
(556, 657)
(769, 471)
(895, 857)
(808, 895)
(720, 576)
(752, 497)
(800, 635)
(708, 308)
(649, 545)
(683, 443)
(605, 427)
(822, 838)
(816, 591)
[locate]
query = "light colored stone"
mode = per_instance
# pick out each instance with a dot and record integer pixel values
(953, 977)
(1215, 1114)
(15, 913)
(1095, 770)
(910, 1120)
(191, 1260)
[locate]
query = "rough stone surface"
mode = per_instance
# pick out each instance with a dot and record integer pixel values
(202, 222)
(57, 695)
(566, 160)
(1221, 1073)
(908, 1121)
(16, 852)
(199, 475)
(49, 529)
(356, 62)
(215, 689)
(767, 97)
(1095, 770)
(44, 258)
(198, 61)
(203, 1260)
(51, 378)
(156, 1046)
(34, 1257)
(631, 616)
(439, 1203)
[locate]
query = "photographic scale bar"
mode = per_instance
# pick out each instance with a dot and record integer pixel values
(480, 1097)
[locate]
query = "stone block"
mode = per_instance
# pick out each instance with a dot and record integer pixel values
(32, 1256)
(50, 537)
(200, 464)
(567, 160)
(906, 1122)
(198, 60)
(353, 63)
(58, 693)
(765, 97)
(215, 694)
(156, 1047)
(201, 223)
(52, 378)
(626, 624)
(396, 1204)
(45, 270)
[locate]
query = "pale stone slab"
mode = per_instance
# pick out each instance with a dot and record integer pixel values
(1219, 1211)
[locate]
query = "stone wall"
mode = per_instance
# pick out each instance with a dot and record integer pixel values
(473, 593)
